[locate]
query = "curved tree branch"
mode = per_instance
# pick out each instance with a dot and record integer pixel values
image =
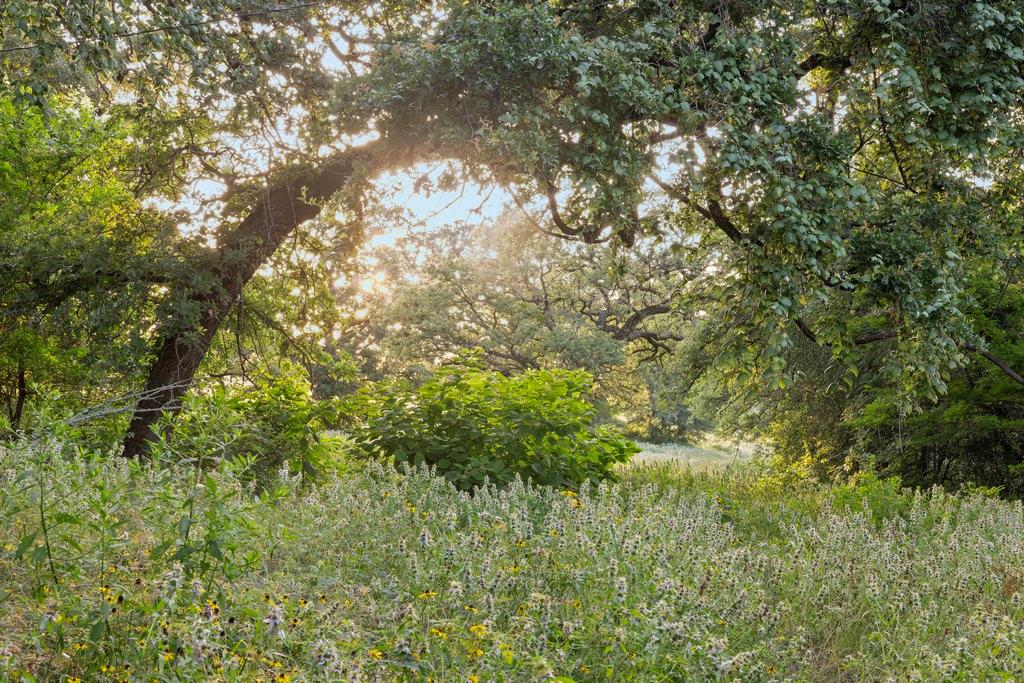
(819, 60)
(284, 206)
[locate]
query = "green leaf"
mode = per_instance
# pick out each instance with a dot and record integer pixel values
(25, 543)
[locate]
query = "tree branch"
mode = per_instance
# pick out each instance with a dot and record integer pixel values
(882, 335)
(819, 60)
(997, 361)
(713, 212)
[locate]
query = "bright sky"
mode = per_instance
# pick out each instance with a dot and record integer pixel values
(471, 203)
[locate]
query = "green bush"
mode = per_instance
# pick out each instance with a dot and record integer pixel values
(475, 425)
(274, 424)
(880, 498)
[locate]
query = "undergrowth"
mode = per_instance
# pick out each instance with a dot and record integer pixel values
(112, 570)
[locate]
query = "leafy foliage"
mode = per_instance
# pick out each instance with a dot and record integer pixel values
(800, 184)
(845, 166)
(272, 426)
(530, 301)
(83, 260)
(973, 435)
(830, 421)
(474, 425)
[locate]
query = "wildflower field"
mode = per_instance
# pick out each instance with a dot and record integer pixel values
(115, 571)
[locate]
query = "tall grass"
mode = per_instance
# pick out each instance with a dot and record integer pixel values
(117, 571)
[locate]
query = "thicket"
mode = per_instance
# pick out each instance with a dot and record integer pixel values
(829, 423)
(476, 426)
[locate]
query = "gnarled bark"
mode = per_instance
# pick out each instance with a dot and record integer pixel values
(240, 254)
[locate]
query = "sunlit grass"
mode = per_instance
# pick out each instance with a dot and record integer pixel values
(706, 452)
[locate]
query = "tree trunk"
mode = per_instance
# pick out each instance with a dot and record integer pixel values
(19, 402)
(240, 254)
(16, 404)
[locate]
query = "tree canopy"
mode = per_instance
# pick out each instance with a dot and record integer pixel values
(848, 165)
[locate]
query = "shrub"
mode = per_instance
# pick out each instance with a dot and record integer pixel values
(475, 425)
(275, 423)
(882, 498)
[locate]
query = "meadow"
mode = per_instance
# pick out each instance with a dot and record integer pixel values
(112, 570)
(328, 328)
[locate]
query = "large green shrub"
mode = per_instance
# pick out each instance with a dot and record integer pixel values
(274, 423)
(476, 425)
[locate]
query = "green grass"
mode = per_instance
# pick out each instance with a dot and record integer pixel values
(114, 571)
(706, 454)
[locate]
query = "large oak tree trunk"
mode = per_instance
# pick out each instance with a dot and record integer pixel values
(240, 254)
